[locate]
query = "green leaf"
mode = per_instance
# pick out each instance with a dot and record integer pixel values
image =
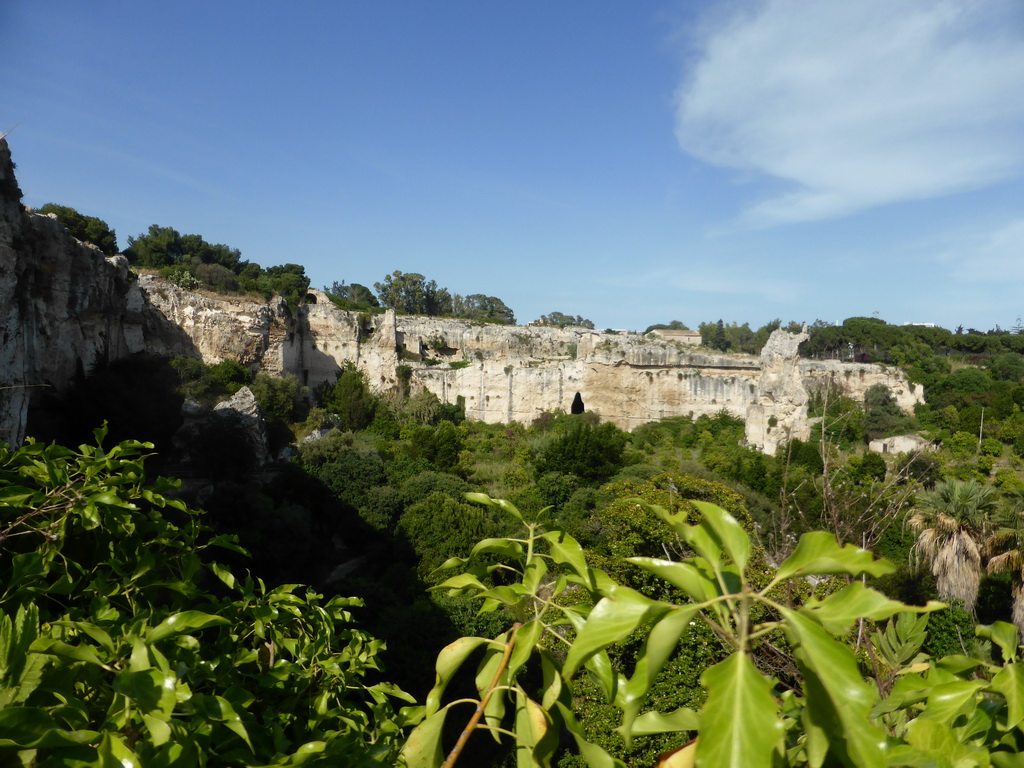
(612, 619)
(494, 709)
(219, 709)
(184, 622)
(839, 700)
(62, 650)
(841, 609)
(651, 723)
(940, 744)
(114, 753)
(532, 724)
(223, 574)
(449, 660)
(657, 648)
(947, 701)
(565, 550)
(1002, 634)
(461, 581)
(730, 534)
(504, 547)
(1009, 681)
(152, 691)
(818, 553)
(739, 724)
(527, 637)
(697, 585)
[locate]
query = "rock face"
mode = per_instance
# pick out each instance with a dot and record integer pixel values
(66, 308)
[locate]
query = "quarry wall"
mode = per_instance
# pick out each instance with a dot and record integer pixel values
(66, 308)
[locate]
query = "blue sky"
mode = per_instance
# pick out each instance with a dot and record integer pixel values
(631, 162)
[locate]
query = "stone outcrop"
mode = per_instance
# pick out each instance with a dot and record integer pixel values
(66, 308)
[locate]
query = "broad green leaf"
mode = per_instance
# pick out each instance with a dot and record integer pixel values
(956, 664)
(504, 547)
(697, 585)
(612, 619)
(1009, 681)
(488, 673)
(52, 647)
(657, 648)
(839, 700)
(948, 701)
(152, 691)
(183, 622)
(600, 667)
(461, 581)
(730, 534)
(449, 660)
(565, 550)
(219, 709)
(511, 594)
(159, 730)
(1002, 634)
(223, 574)
(114, 753)
(535, 570)
(552, 678)
(651, 723)
(841, 609)
(532, 725)
(939, 743)
(739, 724)
(818, 553)
(905, 692)
(526, 638)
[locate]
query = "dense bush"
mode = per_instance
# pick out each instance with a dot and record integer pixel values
(125, 643)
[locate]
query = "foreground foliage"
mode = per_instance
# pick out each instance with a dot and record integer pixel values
(907, 710)
(123, 643)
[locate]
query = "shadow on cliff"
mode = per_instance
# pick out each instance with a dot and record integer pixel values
(136, 396)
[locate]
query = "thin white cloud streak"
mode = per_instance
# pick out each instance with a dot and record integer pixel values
(858, 104)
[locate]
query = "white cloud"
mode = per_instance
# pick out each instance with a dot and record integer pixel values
(858, 104)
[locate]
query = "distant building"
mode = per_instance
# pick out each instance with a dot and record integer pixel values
(922, 325)
(685, 337)
(901, 444)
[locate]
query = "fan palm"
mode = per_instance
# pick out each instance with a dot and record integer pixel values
(1008, 541)
(953, 523)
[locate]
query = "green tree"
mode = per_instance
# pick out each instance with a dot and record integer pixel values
(589, 451)
(412, 294)
(88, 229)
(479, 307)
(351, 399)
(352, 297)
(882, 414)
(559, 320)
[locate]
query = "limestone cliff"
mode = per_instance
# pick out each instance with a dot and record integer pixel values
(66, 308)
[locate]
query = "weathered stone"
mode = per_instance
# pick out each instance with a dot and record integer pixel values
(65, 308)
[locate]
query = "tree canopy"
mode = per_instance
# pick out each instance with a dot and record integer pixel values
(560, 320)
(88, 229)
